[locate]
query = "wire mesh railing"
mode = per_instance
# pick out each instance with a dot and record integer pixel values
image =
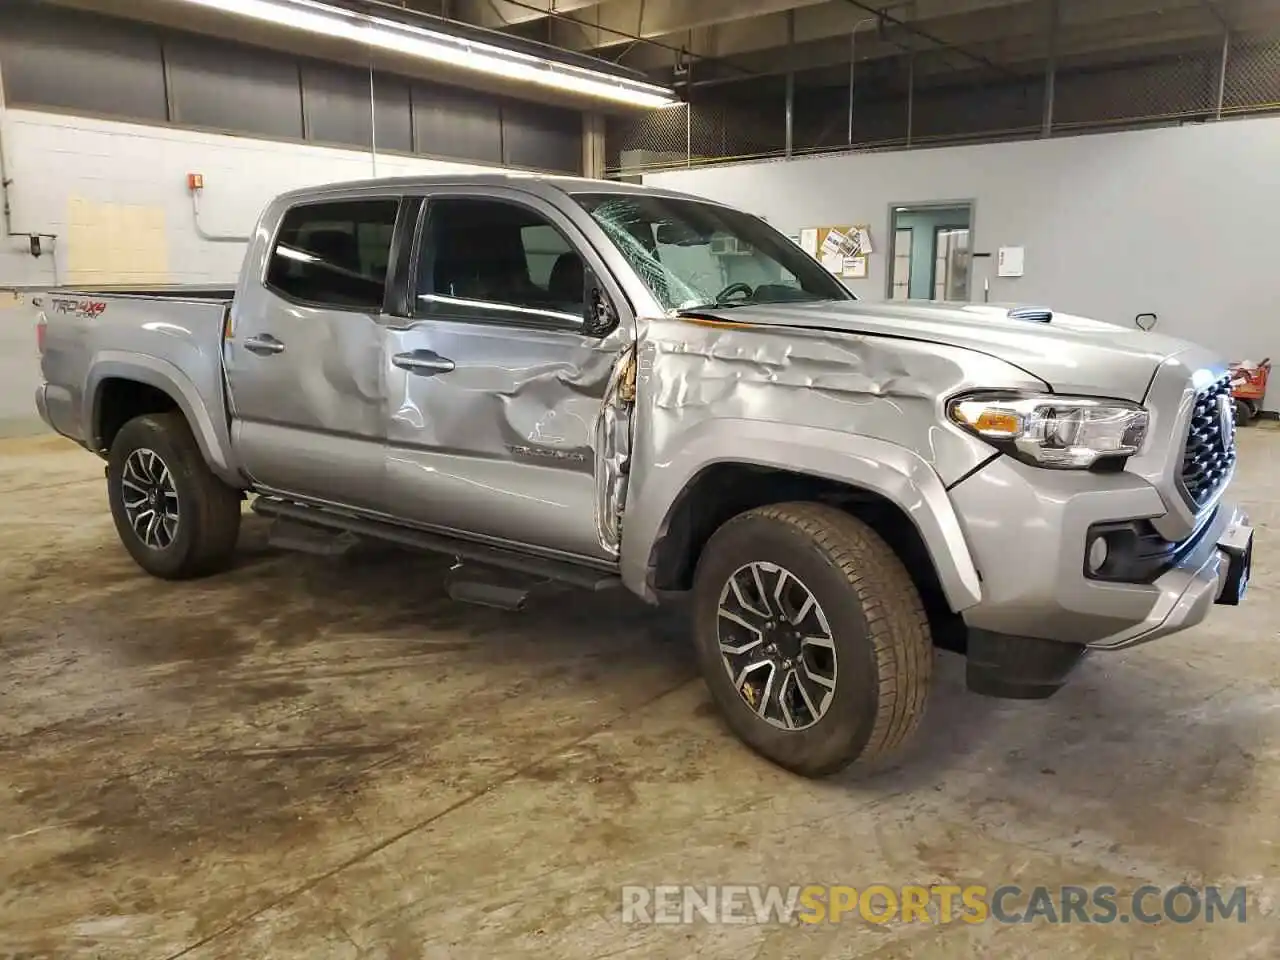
(914, 101)
(1252, 78)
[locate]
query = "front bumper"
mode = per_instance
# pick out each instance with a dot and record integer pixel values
(1215, 570)
(1028, 530)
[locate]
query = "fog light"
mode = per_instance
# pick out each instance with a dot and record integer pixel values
(1097, 554)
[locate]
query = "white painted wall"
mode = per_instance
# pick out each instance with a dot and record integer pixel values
(115, 194)
(1183, 222)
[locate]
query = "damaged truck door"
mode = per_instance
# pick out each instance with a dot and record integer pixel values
(302, 361)
(498, 375)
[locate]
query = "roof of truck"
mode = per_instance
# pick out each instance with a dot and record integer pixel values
(538, 183)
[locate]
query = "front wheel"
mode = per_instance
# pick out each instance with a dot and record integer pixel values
(176, 519)
(812, 637)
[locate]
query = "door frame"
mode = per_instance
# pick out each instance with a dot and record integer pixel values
(933, 261)
(579, 239)
(910, 205)
(893, 260)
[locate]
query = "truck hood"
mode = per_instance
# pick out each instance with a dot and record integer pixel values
(1073, 355)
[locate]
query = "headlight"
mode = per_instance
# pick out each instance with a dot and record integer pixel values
(1071, 433)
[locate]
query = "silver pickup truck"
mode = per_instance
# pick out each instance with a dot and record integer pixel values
(569, 381)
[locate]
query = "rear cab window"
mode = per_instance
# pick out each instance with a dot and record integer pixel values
(335, 254)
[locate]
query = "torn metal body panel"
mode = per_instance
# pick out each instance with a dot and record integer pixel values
(859, 410)
(866, 386)
(613, 451)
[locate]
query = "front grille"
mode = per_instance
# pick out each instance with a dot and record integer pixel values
(1211, 443)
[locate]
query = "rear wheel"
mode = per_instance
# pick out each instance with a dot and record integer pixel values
(812, 637)
(1244, 413)
(176, 519)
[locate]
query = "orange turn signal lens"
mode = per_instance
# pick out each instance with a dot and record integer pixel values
(994, 422)
(997, 421)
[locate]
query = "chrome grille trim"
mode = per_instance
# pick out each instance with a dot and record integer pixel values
(1209, 453)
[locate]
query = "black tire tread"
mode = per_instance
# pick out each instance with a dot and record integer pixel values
(898, 628)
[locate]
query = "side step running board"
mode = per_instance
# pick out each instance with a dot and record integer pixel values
(305, 538)
(503, 589)
(477, 553)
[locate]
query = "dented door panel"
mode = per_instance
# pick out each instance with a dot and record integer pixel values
(309, 420)
(505, 445)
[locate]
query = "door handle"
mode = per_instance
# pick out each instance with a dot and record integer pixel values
(425, 363)
(265, 345)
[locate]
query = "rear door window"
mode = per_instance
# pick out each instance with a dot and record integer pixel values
(335, 254)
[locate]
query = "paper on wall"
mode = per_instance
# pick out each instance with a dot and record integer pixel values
(834, 243)
(855, 267)
(833, 262)
(864, 241)
(809, 241)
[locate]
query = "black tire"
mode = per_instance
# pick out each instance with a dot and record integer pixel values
(1244, 413)
(883, 651)
(208, 511)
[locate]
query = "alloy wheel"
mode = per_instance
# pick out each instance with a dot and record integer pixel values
(150, 498)
(776, 644)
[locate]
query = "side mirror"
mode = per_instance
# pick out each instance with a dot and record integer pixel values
(599, 316)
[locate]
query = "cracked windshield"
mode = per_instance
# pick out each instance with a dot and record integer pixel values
(695, 255)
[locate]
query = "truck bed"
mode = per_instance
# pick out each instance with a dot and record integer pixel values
(166, 337)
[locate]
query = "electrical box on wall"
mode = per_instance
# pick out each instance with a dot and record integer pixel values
(1011, 262)
(195, 181)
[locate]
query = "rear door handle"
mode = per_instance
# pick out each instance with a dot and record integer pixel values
(265, 345)
(425, 363)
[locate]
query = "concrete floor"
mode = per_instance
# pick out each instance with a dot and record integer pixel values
(311, 758)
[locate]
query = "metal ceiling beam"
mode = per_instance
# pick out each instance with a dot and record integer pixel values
(1216, 12)
(503, 13)
(823, 34)
(667, 54)
(601, 25)
(929, 37)
(820, 22)
(1028, 46)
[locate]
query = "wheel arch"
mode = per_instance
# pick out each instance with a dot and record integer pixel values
(747, 464)
(155, 378)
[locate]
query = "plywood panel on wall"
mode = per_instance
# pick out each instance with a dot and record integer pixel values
(116, 243)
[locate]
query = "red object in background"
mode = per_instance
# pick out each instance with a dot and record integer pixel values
(1249, 387)
(195, 181)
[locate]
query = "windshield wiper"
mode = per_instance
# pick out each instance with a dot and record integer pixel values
(712, 305)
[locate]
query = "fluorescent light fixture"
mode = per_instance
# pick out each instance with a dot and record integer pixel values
(440, 47)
